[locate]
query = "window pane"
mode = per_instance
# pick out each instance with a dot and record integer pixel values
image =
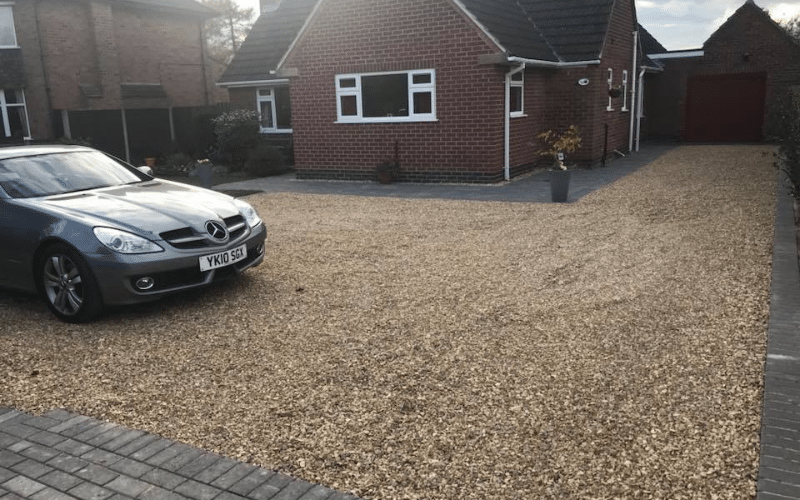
(13, 96)
(516, 77)
(384, 95)
(347, 83)
(18, 123)
(7, 35)
(423, 78)
(265, 92)
(265, 108)
(423, 103)
(516, 99)
(349, 105)
(283, 108)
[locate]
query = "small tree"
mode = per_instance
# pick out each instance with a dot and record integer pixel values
(237, 133)
(225, 33)
(568, 141)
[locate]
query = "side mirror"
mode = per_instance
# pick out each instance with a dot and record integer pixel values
(146, 170)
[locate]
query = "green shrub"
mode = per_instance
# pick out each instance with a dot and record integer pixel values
(237, 132)
(788, 135)
(265, 160)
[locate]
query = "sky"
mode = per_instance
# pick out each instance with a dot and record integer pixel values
(682, 24)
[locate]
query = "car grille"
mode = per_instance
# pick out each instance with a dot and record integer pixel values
(186, 238)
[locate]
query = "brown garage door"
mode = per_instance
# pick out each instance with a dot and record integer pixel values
(725, 108)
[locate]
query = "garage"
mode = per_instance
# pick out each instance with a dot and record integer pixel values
(725, 108)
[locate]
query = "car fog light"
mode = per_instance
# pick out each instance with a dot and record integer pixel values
(145, 283)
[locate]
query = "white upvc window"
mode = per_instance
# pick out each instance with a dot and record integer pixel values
(517, 94)
(274, 109)
(400, 96)
(14, 115)
(610, 86)
(8, 35)
(625, 90)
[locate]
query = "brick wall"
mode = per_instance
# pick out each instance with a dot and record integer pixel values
(154, 47)
(611, 129)
(467, 141)
(554, 100)
(103, 44)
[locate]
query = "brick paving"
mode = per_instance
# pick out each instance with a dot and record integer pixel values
(779, 471)
(532, 188)
(64, 456)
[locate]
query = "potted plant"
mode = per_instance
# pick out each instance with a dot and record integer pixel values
(558, 145)
(387, 171)
(615, 92)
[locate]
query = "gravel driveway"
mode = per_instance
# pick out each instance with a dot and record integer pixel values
(402, 349)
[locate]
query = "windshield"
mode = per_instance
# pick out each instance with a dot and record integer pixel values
(59, 173)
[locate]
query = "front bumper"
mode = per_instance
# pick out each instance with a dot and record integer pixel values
(171, 271)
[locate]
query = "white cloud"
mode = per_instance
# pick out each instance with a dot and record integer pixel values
(677, 8)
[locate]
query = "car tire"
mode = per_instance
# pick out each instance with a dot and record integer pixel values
(68, 285)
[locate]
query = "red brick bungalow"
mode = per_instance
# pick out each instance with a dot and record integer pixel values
(454, 90)
(728, 90)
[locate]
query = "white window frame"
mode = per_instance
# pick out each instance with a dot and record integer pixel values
(4, 108)
(9, 6)
(413, 88)
(269, 98)
(520, 84)
(625, 90)
(610, 86)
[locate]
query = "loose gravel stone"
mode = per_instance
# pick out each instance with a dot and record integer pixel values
(433, 349)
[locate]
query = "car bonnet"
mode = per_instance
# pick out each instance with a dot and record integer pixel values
(148, 208)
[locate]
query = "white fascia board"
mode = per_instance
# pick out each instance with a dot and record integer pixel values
(552, 64)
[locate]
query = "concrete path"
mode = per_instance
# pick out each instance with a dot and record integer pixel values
(532, 188)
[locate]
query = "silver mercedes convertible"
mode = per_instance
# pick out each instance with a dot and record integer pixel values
(86, 230)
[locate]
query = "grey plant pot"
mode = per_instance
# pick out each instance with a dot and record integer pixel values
(559, 185)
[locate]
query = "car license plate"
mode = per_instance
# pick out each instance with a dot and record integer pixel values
(222, 259)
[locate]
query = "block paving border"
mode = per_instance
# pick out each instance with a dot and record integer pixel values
(779, 470)
(64, 456)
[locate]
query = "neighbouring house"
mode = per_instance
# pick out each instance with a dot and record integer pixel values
(250, 77)
(453, 90)
(116, 71)
(728, 90)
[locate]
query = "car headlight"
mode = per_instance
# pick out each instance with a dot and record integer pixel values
(248, 212)
(125, 242)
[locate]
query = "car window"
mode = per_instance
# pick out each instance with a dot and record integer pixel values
(59, 173)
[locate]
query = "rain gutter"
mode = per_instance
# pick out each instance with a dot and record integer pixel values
(536, 63)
